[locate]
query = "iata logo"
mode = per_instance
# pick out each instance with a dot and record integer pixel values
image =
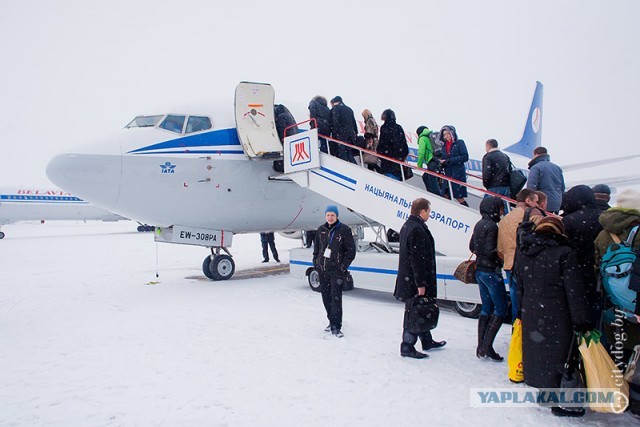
(299, 150)
(535, 120)
(168, 168)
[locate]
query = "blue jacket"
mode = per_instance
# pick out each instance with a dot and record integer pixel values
(547, 177)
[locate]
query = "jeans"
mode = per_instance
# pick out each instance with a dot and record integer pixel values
(492, 293)
(431, 183)
(513, 292)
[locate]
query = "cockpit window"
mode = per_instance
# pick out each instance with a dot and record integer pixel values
(198, 123)
(173, 123)
(144, 121)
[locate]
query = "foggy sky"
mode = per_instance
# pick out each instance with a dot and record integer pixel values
(75, 70)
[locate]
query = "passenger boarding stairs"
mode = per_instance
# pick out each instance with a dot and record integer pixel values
(378, 197)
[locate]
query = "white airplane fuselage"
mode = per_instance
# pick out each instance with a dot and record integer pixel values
(31, 204)
(202, 179)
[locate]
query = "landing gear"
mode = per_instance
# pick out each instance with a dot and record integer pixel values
(1, 235)
(144, 228)
(217, 266)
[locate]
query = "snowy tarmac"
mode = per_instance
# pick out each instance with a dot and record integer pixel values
(86, 340)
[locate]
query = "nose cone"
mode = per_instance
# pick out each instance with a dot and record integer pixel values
(92, 177)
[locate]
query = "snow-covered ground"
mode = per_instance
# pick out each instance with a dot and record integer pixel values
(85, 340)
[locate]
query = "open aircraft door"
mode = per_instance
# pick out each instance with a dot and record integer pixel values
(255, 120)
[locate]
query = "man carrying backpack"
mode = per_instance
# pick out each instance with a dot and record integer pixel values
(620, 222)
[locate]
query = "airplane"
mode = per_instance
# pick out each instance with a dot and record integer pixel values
(203, 177)
(33, 204)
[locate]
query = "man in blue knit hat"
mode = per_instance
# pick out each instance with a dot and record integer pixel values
(333, 251)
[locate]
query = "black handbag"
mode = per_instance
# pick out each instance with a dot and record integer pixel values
(572, 376)
(517, 180)
(421, 314)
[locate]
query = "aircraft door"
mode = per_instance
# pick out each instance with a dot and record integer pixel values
(255, 120)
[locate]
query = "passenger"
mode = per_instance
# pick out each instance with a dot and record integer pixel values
(283, 119)
(268, 240)
(496, 170)
(547, 177)
(507, 234)
(333, 252)
(602, 192)
(371, 139)
(319, 111)
(554, 305)
(542, 203)
(619, 221)
(484, 243)
(426, 157)
(454, 156)
(343, 128)
(392, 143)
(416, 273)
(580, 218)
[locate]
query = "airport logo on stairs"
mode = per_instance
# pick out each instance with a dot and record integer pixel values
(299, 151)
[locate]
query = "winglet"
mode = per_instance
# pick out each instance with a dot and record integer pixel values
(532, 135)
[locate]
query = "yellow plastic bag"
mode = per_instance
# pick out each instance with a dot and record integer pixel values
(514, 359)
(602, 373)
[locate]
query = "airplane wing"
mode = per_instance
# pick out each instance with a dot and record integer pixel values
(601, 162)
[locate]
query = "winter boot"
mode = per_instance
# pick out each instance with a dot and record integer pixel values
(428, 343)
(407, 350)
(486, 350)
(483, 322)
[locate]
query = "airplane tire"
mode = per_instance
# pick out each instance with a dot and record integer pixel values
(140, 228)
(206, 267)
(467, 309)
(314, 280)
(1, 235)
(222, 267)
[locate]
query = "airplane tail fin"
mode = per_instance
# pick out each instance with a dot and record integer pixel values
(532, 135)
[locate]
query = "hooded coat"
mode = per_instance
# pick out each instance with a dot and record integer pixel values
(417, 260)
(553, 302)
(425, 149)
(484, 241)
(321, 112)
(580, 219)
(547, 177)
(454, 160)
(284, 119)
(392, 143)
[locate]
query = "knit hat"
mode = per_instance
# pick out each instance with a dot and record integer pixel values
(601, 188)
(332, 208)
(550, 224)
(629, 199)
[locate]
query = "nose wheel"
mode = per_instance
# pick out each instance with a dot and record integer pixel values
(218, 266)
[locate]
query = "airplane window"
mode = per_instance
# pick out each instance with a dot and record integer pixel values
(173, 123)
(198, 123)
(144, 121)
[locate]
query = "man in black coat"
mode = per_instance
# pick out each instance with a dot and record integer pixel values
(580, 218)
(603, 196)
(333, 251)
(496, 173)
(416, 272)
(343, 128)
(319, 111)
(392, 143)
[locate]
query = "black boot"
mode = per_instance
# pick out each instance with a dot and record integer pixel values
(407, 350)
(428, 343)
(487, 343)
(483, 322)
